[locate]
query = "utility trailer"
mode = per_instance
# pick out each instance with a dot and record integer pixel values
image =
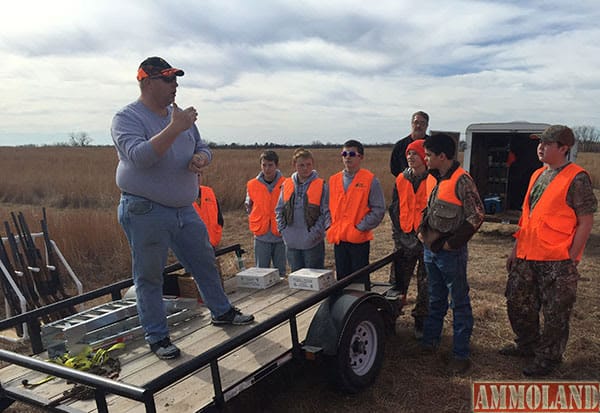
(501, 158)
(345, 324)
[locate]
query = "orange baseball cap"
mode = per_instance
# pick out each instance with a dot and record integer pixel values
(157, 67)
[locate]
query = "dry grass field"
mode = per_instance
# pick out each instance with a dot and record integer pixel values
(76, 185)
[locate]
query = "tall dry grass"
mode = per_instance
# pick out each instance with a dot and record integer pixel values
(61, 177)
(90, 239)
(77, 187)
(73, 178)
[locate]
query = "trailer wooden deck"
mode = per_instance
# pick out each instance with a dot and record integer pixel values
(193, 336)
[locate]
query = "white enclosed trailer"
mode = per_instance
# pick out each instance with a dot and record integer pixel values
(501, 157)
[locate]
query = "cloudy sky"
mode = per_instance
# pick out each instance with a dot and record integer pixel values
(298, 71)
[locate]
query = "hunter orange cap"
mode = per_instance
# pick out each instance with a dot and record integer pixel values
(157, 67)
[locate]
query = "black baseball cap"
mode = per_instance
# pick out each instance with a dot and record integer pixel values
(157, 67)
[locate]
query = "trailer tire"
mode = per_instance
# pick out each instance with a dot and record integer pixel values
(360, 353)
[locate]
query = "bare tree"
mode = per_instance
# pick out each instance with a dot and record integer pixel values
(79, 139)
(588, 137)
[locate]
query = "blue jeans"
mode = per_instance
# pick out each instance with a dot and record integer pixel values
(310, 258)
(152, 229)
(265, 252)
(447, 275)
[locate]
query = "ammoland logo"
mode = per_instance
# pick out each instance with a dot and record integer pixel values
(539, 397)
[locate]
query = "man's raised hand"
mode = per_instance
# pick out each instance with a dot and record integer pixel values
(183, 119)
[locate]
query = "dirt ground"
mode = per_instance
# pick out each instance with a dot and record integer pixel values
(410, 381)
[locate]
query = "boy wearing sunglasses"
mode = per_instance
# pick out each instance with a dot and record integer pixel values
(357, 206)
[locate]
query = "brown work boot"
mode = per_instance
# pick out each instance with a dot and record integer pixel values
(428, 349)
(541, 368)
(418, 328)
(458, 366)
(512, 350)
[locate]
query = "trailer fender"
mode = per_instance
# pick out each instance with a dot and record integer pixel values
(328, 323)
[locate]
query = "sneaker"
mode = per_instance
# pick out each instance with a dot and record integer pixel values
(233, 316)
(541, 368)
(513, 350)
(164, 349)
(458, 366)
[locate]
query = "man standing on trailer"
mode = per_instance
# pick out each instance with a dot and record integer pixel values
(160, 154)
(555, 225)
(356, 206)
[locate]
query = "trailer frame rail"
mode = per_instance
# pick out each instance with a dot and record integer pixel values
(146, 393)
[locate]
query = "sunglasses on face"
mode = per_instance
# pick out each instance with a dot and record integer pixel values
(169, 79)
(351, 154)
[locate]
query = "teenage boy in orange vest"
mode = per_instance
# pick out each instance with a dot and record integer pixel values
(411, 194)
(261, 198)
(555, 224)
(357, 206)
(303, 214)
(208, 208)
(454, 213)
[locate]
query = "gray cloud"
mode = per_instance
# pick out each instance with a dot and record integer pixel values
(303, 69)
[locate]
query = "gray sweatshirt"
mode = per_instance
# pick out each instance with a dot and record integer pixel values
(296, 235)
(141, 171)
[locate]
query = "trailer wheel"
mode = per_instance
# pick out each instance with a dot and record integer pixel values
(360, 353)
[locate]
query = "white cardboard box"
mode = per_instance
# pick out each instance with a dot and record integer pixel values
(255, 277)
(311, 279)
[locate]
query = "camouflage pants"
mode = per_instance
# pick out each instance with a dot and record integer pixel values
(402, 271)
(549, 287)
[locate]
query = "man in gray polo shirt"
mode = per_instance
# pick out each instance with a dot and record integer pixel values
(160, 154)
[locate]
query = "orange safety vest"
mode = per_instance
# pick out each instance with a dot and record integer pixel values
(445, 212)
(411, 204)
(314, 192)
(206, 206)
(349, 208)
(262, 217)
(547, 232)
(447, 187)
